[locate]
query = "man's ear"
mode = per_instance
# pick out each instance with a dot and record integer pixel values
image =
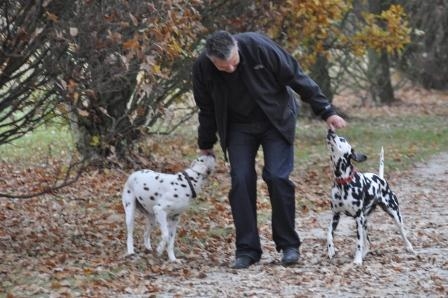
(358, 157)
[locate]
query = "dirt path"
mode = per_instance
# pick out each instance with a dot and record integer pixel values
(388, 270)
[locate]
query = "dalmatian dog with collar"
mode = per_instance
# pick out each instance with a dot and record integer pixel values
(161, 198)
(357, 194)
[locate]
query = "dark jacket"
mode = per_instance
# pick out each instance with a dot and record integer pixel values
(268, 72)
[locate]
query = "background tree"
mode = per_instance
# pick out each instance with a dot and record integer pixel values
(378, 60)
(332, 38)
(27, 76)
(117, 69)
(119, 73)
(119, 66)
(426, 58)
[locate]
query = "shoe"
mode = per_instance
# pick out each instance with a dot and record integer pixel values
(290, 256)
(243, 262)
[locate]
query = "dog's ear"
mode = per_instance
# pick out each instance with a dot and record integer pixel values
(358, 157)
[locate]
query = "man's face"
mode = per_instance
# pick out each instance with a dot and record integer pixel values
(228, 65)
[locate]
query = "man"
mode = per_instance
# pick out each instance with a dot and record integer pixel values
(242, 85)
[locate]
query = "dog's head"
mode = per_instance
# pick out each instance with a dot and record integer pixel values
(341, 152)
(204, 164)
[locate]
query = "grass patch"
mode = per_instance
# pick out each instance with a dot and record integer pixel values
(50, 141)
(406, 140)
(220, 232)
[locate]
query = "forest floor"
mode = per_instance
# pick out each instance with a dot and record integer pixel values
(72, 243)
(388, 270)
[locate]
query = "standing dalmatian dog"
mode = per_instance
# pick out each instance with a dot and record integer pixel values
(357, 194)
(162, 198)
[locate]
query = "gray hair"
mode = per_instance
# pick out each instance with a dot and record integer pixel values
(220, 45)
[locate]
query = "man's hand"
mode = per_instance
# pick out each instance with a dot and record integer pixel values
(335, 122)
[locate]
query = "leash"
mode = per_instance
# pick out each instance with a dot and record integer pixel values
(193, 192)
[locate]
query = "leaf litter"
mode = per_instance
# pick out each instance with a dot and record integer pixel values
(72, 243)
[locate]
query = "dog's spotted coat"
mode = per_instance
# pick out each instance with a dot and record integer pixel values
(162, 198)
(357, 194)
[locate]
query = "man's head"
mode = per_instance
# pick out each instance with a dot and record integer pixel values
(222, 49)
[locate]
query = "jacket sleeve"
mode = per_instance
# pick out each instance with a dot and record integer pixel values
(206, 116)
(289, 73)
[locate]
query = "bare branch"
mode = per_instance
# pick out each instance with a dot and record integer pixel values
(71, 175)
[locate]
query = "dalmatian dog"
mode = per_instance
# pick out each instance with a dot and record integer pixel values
(357, 194)
(161, 198)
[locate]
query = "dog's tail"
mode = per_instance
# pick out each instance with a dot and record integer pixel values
(381, 170)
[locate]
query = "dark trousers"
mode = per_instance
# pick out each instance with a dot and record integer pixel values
(244, 142)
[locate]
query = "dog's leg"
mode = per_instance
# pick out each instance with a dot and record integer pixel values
(161, 218)
(359, 238)
(331, 228)
(129, 208)
(407, 243)
(391, 208)
(172, 226)
(147, 235)
(366, 240)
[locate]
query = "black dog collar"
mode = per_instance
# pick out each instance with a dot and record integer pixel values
(193, 192)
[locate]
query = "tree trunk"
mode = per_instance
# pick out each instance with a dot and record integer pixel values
(426, 59)
(320, 74)
(108, 130)
(379, 67)
(379, 75)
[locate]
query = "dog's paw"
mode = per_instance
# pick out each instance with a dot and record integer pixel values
(129, 256)
(365, 251)
(148, 247)
(175, 260)
(410, 249)
(331, 251)
(148, 251)
(357, 262)
(160, 249)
